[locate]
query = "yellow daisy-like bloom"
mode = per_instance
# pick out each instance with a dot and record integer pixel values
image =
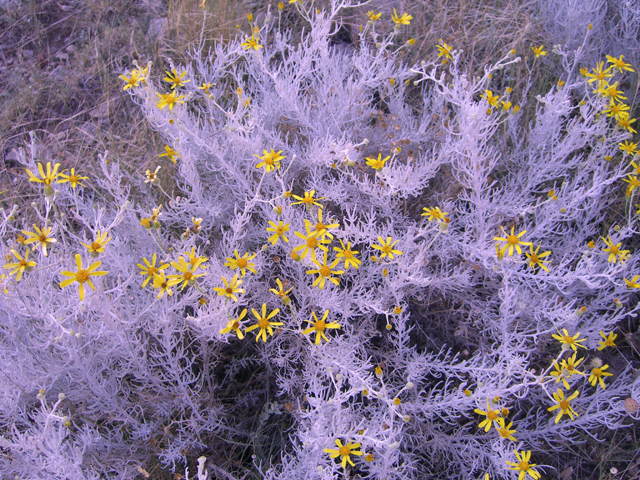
(492, 416)
(73, 179)
(535, 258)
(251, 43)
(150, 269)
(230, 288)
(344, 451)
(98, 245)
(387, 248)
(161, 283)
(40, 238)
(377, 164)
(625, 122)
(284, 295)
(195, 259)
(615, 251)
(599, 74)
(319, 326)
(538, 51)
(152, 176)
(373, 16)
(263, 323)
(241, 262)
(566, 369)
(512, 241)
(628, 147)
(187, 273)
(46, 179)
(82, 276)
(434, 214)
(308, 199)
(311, 242)
(325, 271)
(206, 86)
(572, 342)
(348, 255)
(619, 63)
(321, 228)
(491, 98)
(22, 265)
(270, 160)
(134, 78)
(170, 100)
(523, 465)
(405, 19)
(170, 152)
(563, 404)
(234, 324)
(609, 340)
(174, 79)
(444, 50)
(505, 431)
(278, 231)
(619, 111)
(633, 283)
(596, 376)
(611, 92)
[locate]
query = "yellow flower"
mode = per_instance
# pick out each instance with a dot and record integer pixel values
(152, 176)
(609, 340)
(278, 231)
(596, 376)
(82, 276)
(241, 262)
(47, 179)
(281, 292)
(566, 369)
(160, 282)
(251, 43)
(619, 111)
(535, 258)
(170, 152)
(492, 416)
(170, 100)
(344, 451)
(187, 273)
(195, 259)
(174, 79)
(319, 326)
(308, 199)
(373, 16)
(134, 78)
(563, 404)
(491, 98)
(348, 255)
(206, 86)
(378, 163)
(230, 288)
(523, 465)
(325, 271)
(611, 91)
(311, 242)
(628, 147)
(444, 50)
(387, 248)
(619, 63)
(263, 323)
(434, 214)
(40, 237)
(98, 245)
(22, 265)
(73, 179)
(150, 270)
(538, 51)
(320, 227)
(403, 20)
(512, 241)
(572, 341)
(615, 252)
(269, 159)
(234, 324)
(625, 123)
(599, 75)
(505, 431)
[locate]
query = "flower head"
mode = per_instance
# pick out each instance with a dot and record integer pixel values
(241, 262)
(387, 248)
(538, 51)
(325, 271)
(170, 100)
(536, 259)
(505, 431)
(320, 227)
(73, 179)
(492, 416)
(512, 241)
(270, 160)
(174, 79)
(599, 74)
(98, 245)
(46, 179)
(434, 214)
(263, 323)
(373, 16)
(319, 326)
(278, 231)
(344, 451)
(619, 63)
(563, 404)
(609, 340)
(187, 271)
(150, 270)
(230, 288)
(308, 199)
(40, 238)
(572, 341)
(21, 265)
(251, 43)
(523, 465)
(615, 251)
(311, 242)
(169, 152)
(348, 255)
(284, 295)
(405, 19)
(377, 164)
(134, 78)
(596, 376)
(152, 176)
(234, 324)
(444, 50)
(160, 282)
(82, 276)
(628, 148)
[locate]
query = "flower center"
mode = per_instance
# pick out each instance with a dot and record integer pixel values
(312, 242)
(82, 276)
(597, 372)
(386, 249)
(263, 323)
(568, 340)
(228, 290)
(534, 258)
(324, 271)
(492, 415)
(242, 263)
(345, 451)
(512, 240)
(614, 249)
(523, 466)
(187, 275)
(320, 325)
(564, 405)
(320, 226)
(23, 263)
(95, 246)
(151, 272)
(43, 238)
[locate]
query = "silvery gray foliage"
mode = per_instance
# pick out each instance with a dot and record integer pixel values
(141, 378)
